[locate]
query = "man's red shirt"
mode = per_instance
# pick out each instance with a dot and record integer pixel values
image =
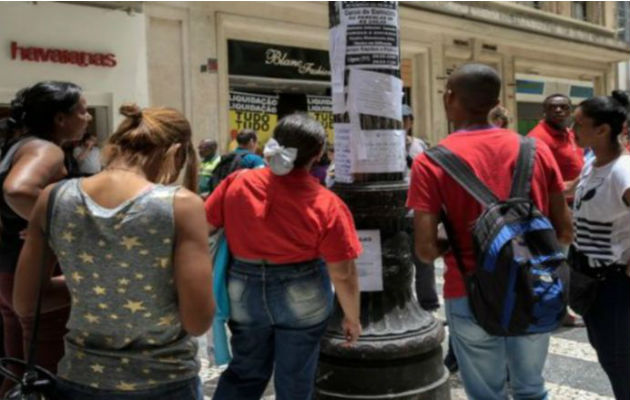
(282, 219)
(568, 155)
(492, 155)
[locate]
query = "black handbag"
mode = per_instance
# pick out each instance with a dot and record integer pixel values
(36, 383)
(583, 287)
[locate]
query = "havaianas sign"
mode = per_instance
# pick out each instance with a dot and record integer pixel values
(62, 56)
(274, 61)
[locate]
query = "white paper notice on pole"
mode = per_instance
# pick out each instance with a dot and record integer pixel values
(343, 154)
(384, 151)
(371, 34)
(375, 93)
(370, 264)
(337, 57)
(338, 103)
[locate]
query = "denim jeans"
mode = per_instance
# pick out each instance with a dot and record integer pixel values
(608, 326)
(190, 389)
(484, 360)
(278, 315)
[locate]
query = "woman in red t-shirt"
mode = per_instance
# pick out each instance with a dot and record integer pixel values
(289, 237)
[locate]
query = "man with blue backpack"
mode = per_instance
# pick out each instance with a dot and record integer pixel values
(500, 196)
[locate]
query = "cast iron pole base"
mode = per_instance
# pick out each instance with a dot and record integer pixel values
(399, 355)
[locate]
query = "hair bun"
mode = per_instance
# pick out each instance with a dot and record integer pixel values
(131, 110)
(621, 97)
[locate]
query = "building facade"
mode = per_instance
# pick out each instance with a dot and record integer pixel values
(102, 50)
(229, 65)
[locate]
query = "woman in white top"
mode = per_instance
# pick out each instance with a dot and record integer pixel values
(601, 248)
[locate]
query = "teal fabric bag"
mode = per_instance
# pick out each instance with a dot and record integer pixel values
(222, 353)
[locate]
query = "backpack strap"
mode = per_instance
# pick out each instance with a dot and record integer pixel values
(522, 179)
(462, 174)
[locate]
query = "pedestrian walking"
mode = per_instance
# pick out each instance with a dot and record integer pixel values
(601, 249)
(491, 153)
(209, 159)
(290, 236)
(88, 155)
(243, 156)
(43, 118)
(134, 250)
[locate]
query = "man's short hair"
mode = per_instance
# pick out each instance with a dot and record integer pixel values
(553, 96)
(245, 136)
(477, 85)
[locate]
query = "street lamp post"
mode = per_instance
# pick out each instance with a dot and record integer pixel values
(399, 354)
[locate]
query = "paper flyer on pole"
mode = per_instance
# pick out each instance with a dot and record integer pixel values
(375, 93)
(337, 57)
(370, 263)
(343, 153)
(378, 151)
(371, 34)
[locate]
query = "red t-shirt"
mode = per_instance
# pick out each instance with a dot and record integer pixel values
(282, 219)
(491, 154)
(568, 155)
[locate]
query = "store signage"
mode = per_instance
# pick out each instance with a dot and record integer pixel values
(62, 56)
(253, 111)
(273, 61)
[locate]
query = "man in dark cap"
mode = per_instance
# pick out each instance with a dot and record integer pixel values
(484, 360)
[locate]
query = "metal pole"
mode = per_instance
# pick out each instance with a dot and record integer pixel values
(399, 355)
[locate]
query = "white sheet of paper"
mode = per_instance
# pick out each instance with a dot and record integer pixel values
(370, 263)
(337, 57)
(343, 154)
(374, 93)
(338, 103)
(384, 151)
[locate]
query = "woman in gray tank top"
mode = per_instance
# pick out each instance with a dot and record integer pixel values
(135, 256)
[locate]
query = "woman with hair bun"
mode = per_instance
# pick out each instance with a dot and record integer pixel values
(601, 249)
(289, 237)
(42, 119)
(134, 250)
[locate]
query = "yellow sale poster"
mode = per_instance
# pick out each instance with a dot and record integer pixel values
(253, 111)
(320, 108)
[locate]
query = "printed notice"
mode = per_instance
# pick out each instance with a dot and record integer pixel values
(371, 33)
(381, 151)
(374, 93)
(370, 263)
(343, 154)
(337, 57)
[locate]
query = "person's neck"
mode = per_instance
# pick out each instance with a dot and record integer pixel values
(606, 154)
(472, 124)
(122, 166)
(560, 128)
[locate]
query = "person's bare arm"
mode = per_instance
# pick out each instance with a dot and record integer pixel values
(36, 165)
(560, 218)
(345, 278)
(570, 187)
(193, 267)
(29, 268)
(426, 244)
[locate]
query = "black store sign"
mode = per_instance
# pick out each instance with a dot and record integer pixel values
(273, 61)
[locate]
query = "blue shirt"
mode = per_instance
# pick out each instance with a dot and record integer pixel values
(249, 159)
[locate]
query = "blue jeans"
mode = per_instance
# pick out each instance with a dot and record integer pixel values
(484, 360)
(190, 389)
(278, 315)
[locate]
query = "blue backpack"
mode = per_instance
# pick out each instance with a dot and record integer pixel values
(520, 284)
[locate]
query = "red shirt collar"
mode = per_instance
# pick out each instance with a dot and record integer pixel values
(553, 131)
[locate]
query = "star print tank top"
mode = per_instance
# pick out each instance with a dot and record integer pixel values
(124, 327)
